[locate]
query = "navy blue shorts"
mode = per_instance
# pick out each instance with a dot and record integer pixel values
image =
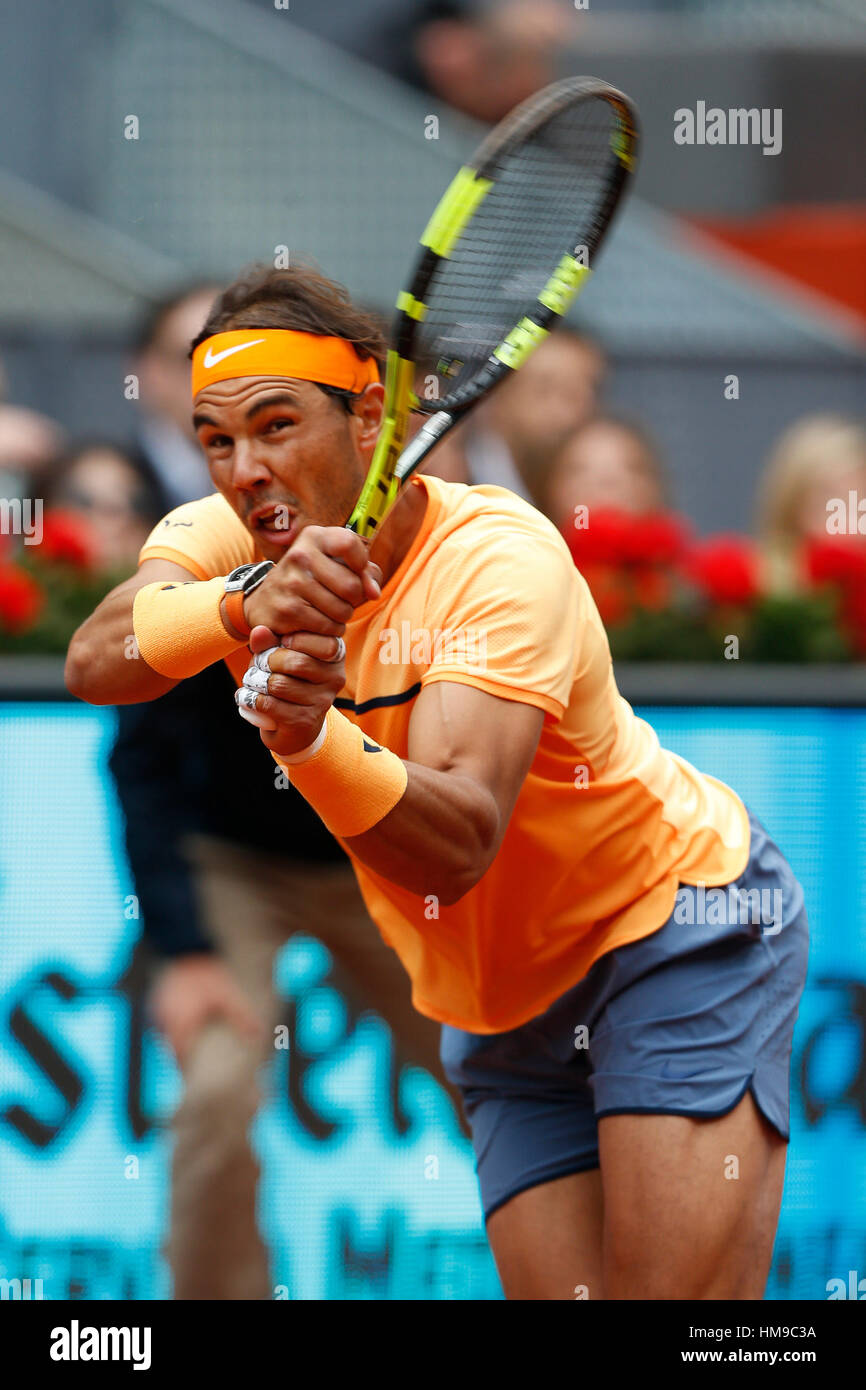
(683, 1022)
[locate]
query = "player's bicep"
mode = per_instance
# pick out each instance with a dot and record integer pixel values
(159, 571)
(459, 729)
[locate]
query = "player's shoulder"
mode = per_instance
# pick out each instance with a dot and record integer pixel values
(205, 513)
(484, 520)
(205, 535)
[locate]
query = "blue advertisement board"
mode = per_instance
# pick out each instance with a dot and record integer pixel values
(368, 1188)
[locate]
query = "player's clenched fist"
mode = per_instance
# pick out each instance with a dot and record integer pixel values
(317, 584)
(289, 689)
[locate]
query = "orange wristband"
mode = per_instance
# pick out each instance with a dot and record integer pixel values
(179, 628)
(351, 781)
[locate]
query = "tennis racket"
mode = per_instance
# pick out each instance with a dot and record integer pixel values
(509, 246)
(511, 243)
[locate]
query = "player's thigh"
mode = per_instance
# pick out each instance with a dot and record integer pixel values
(547, 1241)
(691, 1205)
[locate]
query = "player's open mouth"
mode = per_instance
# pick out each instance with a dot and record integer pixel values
(275, 523)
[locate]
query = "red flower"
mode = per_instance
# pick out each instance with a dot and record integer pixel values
(20, 599)
(614, 537)
(66, 540)
(854, 618)
(604, 540)
(652, 589)
(607, 589)
(725, 568)
(657, 538)
(837, 561)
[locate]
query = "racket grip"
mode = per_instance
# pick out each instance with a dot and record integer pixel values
(418, 448)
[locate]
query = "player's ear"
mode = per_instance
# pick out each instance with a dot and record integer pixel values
(367, 412)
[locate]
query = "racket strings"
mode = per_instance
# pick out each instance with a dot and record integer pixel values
(549, 197)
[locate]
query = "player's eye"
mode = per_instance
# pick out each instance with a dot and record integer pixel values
(279, 423)
(218, 441)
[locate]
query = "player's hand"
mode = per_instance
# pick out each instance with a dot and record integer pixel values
(292, 685)
(191, 992)
(317, 585)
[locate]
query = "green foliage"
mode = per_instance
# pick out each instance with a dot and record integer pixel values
(775, 629)
(69, 598)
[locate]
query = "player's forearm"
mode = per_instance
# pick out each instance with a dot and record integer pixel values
(103, 663)
(157, 628)
(439, 839)
(426, 829)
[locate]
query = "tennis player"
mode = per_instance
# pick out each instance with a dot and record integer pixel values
(613, 944)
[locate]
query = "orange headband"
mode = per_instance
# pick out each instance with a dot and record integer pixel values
(280, 352)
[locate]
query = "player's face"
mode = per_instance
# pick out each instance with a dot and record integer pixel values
(285, 455)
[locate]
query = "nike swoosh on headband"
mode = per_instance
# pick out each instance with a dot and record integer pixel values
(211, 358)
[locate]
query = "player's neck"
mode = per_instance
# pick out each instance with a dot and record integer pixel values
(399, 530)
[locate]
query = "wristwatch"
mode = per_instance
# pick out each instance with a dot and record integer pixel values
(239, 584)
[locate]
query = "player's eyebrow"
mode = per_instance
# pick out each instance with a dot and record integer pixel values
(277, 398)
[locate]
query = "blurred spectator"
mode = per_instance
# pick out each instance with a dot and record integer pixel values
(28, 441)
(607, 463)
(496, 56)
(819, 460)
(101, 484)
(168, 451)
(510, 440)
(482, 56)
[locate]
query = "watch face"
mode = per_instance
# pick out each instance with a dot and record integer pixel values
(256, 574)
(248, 577)
(236, 579)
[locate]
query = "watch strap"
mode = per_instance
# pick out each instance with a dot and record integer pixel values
(234, 609)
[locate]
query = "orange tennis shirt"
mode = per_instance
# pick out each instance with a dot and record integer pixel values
(607, 823)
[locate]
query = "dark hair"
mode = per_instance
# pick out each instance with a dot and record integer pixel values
(152, 321)
(299, 298)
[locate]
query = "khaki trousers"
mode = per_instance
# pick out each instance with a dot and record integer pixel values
(252, 904)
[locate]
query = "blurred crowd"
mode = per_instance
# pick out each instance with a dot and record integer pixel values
(547, 435)
(480, 56)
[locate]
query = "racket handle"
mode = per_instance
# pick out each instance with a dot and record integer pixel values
(418, 448)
